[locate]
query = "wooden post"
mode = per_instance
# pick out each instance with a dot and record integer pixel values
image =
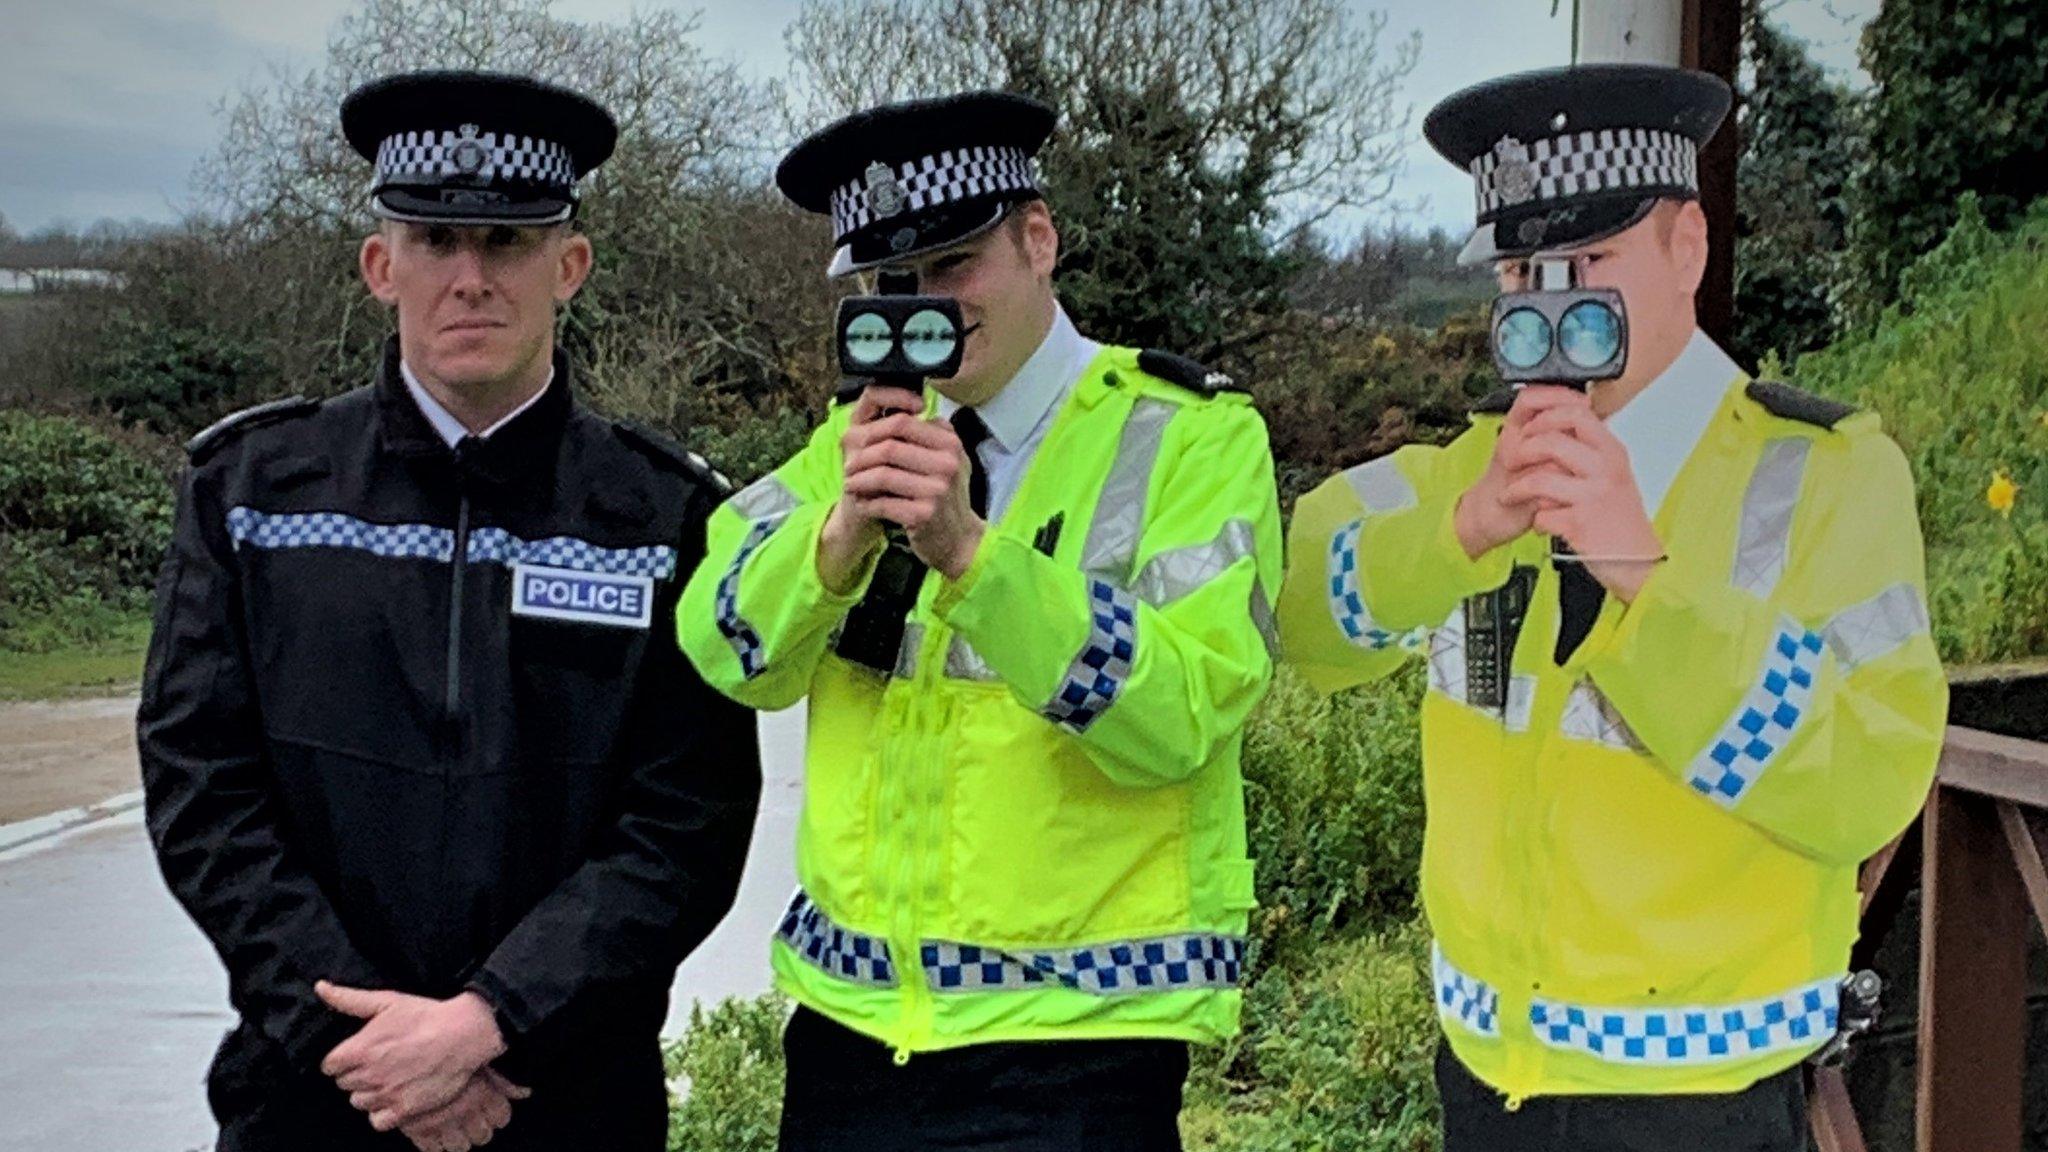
(1973, 960)
(1701, 34)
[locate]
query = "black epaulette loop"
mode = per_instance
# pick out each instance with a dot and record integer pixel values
(669, 452)
(227, 427)
(1791, 403)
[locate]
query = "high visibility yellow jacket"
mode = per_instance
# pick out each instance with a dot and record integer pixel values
(1033, 829)
(1640, 868)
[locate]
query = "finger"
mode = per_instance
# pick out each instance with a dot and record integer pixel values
(1534, 399)
(877, 399)
(356, 1002)
(1544, 484)
(1574, 456)
(1576, 422)
(888, 481)
(499, 1110)
(502, 1084)
(424, 1139)
(911, 514)
(345, 1057)
(478, 1128)
(384, 1119)
(904, 454)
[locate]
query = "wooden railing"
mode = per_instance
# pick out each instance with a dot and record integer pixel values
(1980, 844)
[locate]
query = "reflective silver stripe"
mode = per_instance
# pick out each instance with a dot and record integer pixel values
(763, 498)
(746, 643)
(1264, 620)
(1804, 1017)
(1764, 538)
(1863, 632)
(851, 956)
(1380, 486)
(1171, 575)
(964, 663)
(1765, 721)
(1158, 964)
(1521, 702)
(906, 652)
(1104, 663)
(1589, 715)
(1470, 1002)
(1112, 544)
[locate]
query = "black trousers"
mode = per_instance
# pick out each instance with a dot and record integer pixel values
(845, 1093)
(1768, 1116)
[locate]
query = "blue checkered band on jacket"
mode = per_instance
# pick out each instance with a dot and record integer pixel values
(1163, 964)
(842, 952)
(1471, 1002)
(746, 643)
(430, 157)
(1764, 724)
(426, 542)
(1346, 605)
(1805, 1017)
(955, 174)
(1104, 664)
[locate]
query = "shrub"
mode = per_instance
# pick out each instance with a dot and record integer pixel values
(84, 517)
(726, 1078)
(1959, 372)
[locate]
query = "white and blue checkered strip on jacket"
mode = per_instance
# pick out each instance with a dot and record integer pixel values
(1802, 1018)
(1099, 672)
(1765, 722)
(841, 952)
(1470, 1001)
(746, 643)
(1347, 606)
(1162, 964)
(277, 530)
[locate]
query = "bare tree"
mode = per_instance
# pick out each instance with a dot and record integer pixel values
(1194, 133)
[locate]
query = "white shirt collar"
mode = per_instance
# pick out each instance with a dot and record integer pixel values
(1013, 413)
(450, 429)
(1664, 422)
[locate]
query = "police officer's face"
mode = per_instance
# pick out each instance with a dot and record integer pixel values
(476, 305)
(1656, 264)
(1002, 280)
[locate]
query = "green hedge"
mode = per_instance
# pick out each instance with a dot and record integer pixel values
(1958, 369)
(84, 517)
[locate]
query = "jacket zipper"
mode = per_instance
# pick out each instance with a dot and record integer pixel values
(457, 570)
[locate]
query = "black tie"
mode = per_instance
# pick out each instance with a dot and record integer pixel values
(1578, 603)
(967, 423)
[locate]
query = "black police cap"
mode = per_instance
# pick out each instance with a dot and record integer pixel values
(476, 147)
(913, 177)
(1565, 156)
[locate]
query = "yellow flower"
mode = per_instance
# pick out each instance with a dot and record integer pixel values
(2044, 419)
(2002, 493)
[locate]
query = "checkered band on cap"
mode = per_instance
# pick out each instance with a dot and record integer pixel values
(1512, 173)
(955, 174)
(489, 157)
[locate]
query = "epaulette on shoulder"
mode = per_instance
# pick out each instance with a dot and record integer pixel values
(235, 423)
(1192, 375)
(1496, 402)
(1798, 404)
(672, 455)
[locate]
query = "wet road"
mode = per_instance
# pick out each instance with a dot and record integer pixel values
(111, 1002)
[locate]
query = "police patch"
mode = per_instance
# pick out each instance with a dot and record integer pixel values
(582, 597)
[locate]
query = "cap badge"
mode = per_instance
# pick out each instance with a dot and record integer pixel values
(885, 196)
(468, 153)
(1514, 176)
(902, 239)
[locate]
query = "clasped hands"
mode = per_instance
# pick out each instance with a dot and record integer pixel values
(1557, 469)
(900, 469)
(422, 1066)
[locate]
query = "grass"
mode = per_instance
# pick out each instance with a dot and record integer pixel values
(110, 665)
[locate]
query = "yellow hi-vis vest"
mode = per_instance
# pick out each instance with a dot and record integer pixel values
(1641, 867)
(1033, 829)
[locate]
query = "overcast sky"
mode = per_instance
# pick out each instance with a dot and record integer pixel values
(107, 105)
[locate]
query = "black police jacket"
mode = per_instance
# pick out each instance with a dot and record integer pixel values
(415, 718)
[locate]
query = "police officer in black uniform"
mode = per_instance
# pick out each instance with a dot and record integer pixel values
(422, 757)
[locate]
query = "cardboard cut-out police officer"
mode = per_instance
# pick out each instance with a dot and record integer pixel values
(1680, 677)
(1022, 853)
(422, 757)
